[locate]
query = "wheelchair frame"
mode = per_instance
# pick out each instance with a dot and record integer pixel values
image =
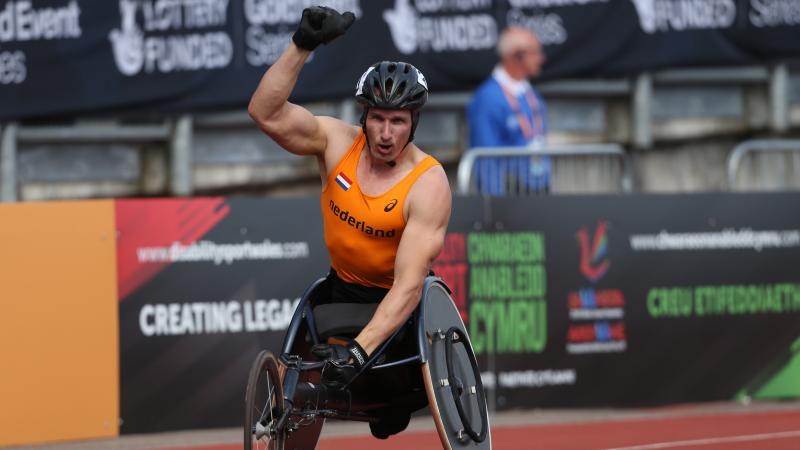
(300, 400)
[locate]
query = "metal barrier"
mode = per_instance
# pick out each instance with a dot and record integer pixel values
(177, 134)
(466, 185)
(777, 78)
(756, 145)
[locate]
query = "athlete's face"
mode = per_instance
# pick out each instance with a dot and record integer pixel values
(388, 131)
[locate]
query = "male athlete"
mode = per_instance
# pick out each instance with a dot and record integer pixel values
(385, 203)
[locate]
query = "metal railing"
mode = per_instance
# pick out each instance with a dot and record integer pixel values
(178, 138)
(466, 182)
(178, 135)
(756, 145)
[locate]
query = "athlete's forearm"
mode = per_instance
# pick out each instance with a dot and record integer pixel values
(272, 93)
(393, 312)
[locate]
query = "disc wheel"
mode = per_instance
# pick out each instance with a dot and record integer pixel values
(263, 405)
(457, 387)
(451, 375)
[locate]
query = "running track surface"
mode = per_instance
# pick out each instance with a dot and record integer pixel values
(774, 430)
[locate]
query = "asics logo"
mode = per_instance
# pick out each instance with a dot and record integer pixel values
(390, 206)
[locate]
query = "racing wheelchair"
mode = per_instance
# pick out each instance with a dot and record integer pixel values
(427, 361)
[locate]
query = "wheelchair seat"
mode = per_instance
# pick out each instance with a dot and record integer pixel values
(342, 319)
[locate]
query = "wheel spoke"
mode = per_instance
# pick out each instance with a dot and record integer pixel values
(268, 407)
(262, 427)
(263, 405)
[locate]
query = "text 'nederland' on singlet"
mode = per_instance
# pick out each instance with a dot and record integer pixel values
(362, 232)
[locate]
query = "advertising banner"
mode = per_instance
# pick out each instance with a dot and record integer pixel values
(68, 57)
(468, 215)
(597, 301)
(569, 300)
(204, 285)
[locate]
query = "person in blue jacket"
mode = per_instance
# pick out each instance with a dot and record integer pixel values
(506, 111)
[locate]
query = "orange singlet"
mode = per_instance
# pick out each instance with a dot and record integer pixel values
(362, 232)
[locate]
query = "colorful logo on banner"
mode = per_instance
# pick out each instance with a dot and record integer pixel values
(594, 263)
(596, 315)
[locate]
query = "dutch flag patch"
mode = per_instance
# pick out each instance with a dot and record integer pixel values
(343, 181)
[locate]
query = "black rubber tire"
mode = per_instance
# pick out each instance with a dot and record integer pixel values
(263, 402)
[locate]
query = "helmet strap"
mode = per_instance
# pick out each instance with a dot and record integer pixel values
(414, 123)
(364, 125)
(363, 119)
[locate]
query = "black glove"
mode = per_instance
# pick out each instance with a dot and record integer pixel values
(342, 364)
(320, 25)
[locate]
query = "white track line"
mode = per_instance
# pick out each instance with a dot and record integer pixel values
(709, 441)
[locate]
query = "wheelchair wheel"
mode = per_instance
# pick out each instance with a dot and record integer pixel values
(263, 405)
(461, 393)
(452, 376)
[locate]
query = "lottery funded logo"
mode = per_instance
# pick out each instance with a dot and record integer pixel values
(437, 26)
(165, 36)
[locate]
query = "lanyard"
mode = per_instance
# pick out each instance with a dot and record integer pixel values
(530, 128)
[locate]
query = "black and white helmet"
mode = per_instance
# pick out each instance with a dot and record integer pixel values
(392, 85)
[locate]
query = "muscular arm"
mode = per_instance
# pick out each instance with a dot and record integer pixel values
(428, 214)
(291, 126)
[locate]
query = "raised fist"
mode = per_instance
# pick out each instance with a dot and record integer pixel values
(321, 25)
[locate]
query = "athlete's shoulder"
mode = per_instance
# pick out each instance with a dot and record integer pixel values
(430, 199)
(433, 176)
(420, 157)
(338, 129)
(340, 136)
